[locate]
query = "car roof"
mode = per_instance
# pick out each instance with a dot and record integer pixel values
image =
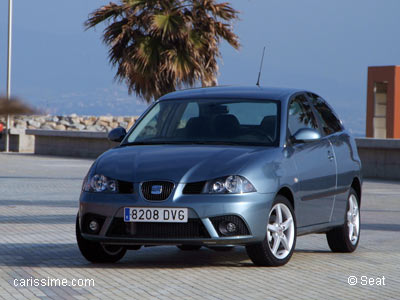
(252, 92)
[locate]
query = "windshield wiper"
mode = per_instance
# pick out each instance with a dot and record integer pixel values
(194, 143)
(157, 143)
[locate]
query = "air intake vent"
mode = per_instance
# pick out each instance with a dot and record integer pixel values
(194, 228)
(157, 190)
(125, 187)
(194, 187)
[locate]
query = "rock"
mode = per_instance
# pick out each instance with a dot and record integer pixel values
(76, 126)
(51, 124)
(64, 122)
(102, 123)
(46, 127)
(75, 120)
(20, 124)
(123, 124)
(91, 128)
(59, 127)
(73, 115)
(130, 124)
(87, 122)
(114, 125)
(107, 119)
(55, 119)
(34, 124)
(41, 120)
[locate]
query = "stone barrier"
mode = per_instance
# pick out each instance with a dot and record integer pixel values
(380, 157)
(19, 141)
(70, 123)
(70, 143)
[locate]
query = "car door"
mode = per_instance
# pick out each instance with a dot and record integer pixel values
(316, 169)
(341, 144)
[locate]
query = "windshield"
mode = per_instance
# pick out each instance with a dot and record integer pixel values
(209, 121)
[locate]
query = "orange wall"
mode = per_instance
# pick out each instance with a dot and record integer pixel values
(391, 74)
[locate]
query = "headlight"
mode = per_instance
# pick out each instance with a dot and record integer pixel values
(99, 183)
(230, 185)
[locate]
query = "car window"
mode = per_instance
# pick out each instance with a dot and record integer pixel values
(252, 113)
(300, 115)
(213, 121)
(191, 111)
(330, 123)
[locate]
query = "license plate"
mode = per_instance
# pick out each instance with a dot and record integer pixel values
(155, 214)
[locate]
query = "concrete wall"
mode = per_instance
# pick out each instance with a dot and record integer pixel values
(19, 141)
(380, 157)
(70, 143)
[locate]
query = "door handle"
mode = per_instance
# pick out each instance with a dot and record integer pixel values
(330, 155)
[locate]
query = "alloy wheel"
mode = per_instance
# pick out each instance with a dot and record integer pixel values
(353, 219)
(280, 231)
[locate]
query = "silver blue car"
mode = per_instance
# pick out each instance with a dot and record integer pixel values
(222, 167)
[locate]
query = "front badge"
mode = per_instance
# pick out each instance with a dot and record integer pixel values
(156, 189)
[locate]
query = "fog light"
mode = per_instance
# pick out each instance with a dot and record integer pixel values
(227, 228)
(94, 226)
(231, 227)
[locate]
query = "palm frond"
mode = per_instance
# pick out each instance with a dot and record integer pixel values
(161, 45)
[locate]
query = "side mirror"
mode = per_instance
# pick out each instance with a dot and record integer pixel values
(305, 135)
(117, 134)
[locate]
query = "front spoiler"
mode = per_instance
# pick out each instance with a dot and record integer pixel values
(239, 240)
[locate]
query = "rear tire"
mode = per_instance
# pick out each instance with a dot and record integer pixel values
(97, 252)
(189, 247)
(346, 237)
(280, 240)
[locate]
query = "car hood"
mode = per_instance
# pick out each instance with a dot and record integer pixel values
(177, 163)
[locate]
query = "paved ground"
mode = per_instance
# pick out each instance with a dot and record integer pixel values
(38, 205)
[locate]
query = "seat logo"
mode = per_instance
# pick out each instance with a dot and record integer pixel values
(156, 189)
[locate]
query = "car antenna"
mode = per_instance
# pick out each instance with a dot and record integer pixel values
(261, 64)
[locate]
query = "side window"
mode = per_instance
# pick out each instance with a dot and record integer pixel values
(330, 123)
(300, 115)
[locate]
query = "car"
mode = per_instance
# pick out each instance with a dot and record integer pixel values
(220, 167)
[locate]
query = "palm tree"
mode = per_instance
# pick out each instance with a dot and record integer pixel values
(161, 45)
(14, 107)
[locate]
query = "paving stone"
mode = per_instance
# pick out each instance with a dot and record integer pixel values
(38, 204)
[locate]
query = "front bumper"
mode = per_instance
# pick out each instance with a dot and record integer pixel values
(251, 208)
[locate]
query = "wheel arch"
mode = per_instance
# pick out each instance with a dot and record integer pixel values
(287, 193)
(356, 185)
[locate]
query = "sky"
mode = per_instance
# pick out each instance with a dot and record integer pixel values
(322, 46)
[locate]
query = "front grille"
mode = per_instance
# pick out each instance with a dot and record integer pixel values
(241, 226)
(194, 228)
(194, 187)
(148, 192)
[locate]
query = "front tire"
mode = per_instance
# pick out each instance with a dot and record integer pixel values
(346, 237)
(97, 252)
(280, 240)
